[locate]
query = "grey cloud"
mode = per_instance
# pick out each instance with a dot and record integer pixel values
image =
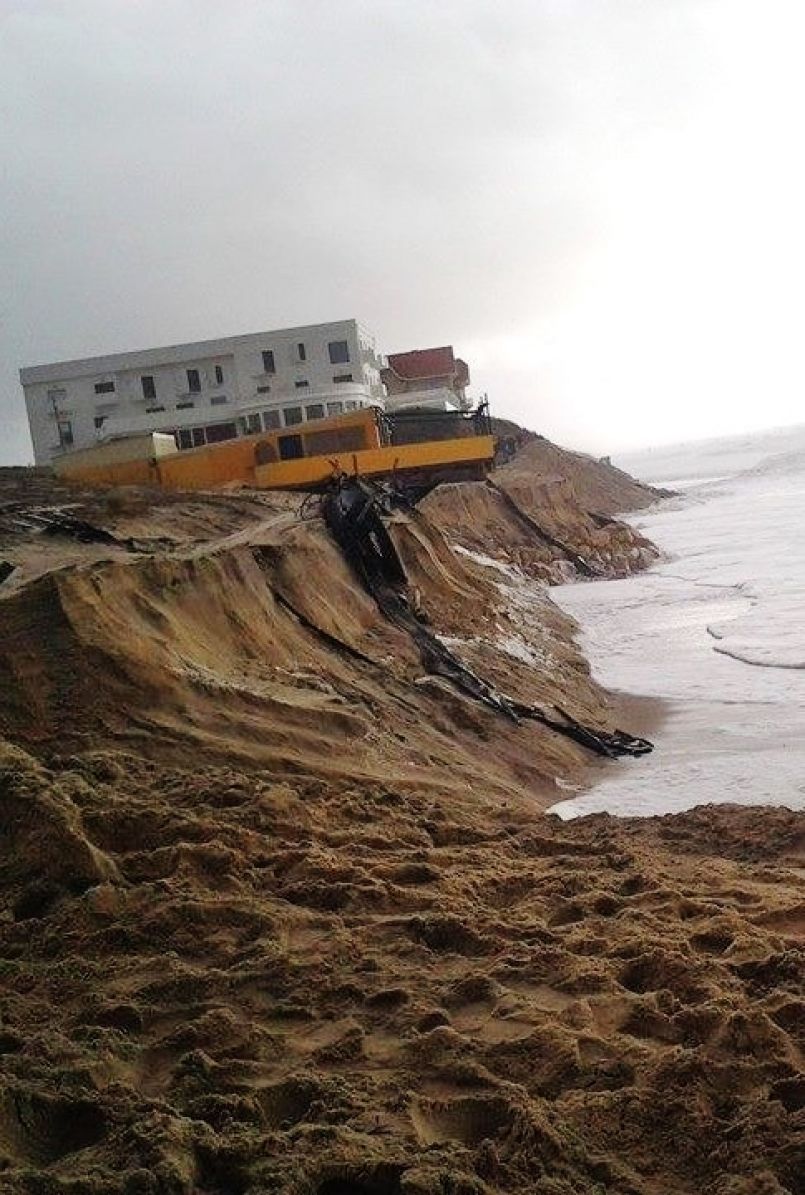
(186, 169)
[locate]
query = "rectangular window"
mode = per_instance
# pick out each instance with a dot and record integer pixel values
(271, 420)
(301, 352)
(65, 433)
(292, 415)
(350, 405)
(198, 437)
(218, 400)
(99, 421)
(184, 406)
(221, 431)
(339, 352)
(301, 384)
(315, 411)
(104, 387)
(193, 381)
(149, 389)
(335, 408)
(219, 376)
(291, 448)
(268, 361)
(335, 439)
(153, 410)
(184, 438)
(251, 425)
(263, 389)
(343, 377)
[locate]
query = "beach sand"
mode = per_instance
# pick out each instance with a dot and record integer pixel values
(281, 912)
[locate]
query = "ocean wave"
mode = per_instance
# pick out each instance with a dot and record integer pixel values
(746, 657)
(783, 464)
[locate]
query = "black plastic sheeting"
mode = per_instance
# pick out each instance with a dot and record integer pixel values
(353, 511)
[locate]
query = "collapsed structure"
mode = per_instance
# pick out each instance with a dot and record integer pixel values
(363, 443)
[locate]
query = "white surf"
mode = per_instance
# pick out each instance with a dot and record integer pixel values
(716, 629)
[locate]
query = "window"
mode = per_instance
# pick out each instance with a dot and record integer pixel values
(335, 408)
(104, 387)
(271, 420)
(152, 410)
(221, 431)
(301, 352)
(184, 406)
(292, 415)
(268, 361)
(65, 433)
(302, 384)
(350, 405)
(219, 376)
(56, 396)
(343, 377)
(291, 448)
(263, 389)
(193, 381)
(149, 389)
(315, 410)
(335, 439)
(198, 437)
(339, 352)
(99, 421)
(218, 400)
(251, 424)
(184, 438)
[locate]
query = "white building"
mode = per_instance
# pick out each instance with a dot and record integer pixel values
(204, 392)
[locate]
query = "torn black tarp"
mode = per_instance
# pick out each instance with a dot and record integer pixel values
(353, 511)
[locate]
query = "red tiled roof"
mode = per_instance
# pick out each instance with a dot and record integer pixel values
(424, 363)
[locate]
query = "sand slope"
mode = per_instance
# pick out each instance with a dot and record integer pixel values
(280, 913)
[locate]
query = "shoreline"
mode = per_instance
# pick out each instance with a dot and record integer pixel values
(634, 713)
(726, 576)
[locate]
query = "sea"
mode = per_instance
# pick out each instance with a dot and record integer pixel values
(716, 629)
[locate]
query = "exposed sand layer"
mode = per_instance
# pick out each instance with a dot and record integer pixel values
(569, 497)
(280, 911)
(231, 626)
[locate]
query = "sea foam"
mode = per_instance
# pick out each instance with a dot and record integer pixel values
(716, 629)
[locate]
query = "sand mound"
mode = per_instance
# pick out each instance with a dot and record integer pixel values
(260, 646)
(537, 525)
(548, 511)
(597, 485)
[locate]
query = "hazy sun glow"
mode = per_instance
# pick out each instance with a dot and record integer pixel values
(687, 320)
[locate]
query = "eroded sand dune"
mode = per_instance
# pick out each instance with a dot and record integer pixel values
(281, 913)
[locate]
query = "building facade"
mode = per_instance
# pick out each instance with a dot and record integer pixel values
(204, 392)
(433, 379)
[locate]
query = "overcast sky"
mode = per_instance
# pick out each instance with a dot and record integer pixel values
(599, 203)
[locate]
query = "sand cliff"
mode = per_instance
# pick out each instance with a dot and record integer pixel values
(281, 912)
